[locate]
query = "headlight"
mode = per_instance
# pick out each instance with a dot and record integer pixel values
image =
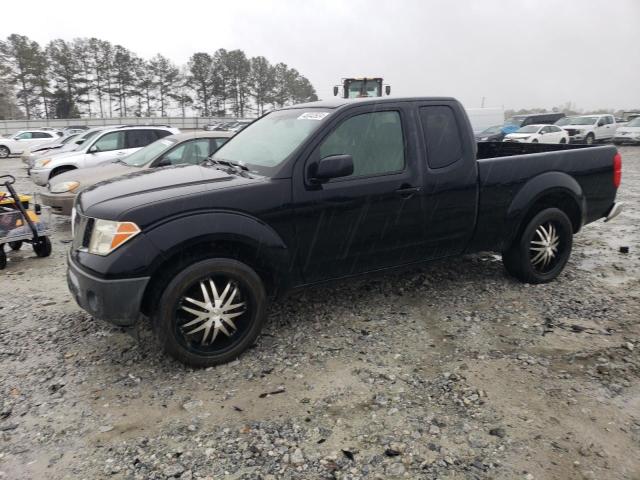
(108, 235)
(42, 162)
(64, 187)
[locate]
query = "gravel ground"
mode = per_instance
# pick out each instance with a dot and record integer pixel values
(451, 371)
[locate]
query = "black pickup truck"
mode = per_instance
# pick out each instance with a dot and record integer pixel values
(318, 192)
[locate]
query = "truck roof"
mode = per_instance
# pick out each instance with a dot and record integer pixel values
(341, 102)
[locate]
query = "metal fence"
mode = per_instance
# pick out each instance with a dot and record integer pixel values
(183, 123)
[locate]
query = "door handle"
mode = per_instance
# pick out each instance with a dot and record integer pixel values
(407, 191)
(121, 153)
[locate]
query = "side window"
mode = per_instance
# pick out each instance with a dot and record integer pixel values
(609, 120)
(216, 143)
(374, 140)
(40, 135)
(161, 134)
(110, 141)
(192, 152)
(140, 138)
(441, 135)
(24, 136)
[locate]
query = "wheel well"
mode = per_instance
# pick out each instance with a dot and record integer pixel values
(560, 200)
(59, 170)
(200, 251)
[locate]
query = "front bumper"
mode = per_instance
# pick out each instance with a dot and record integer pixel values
(60, 203)
(40, 176)
(115, 301)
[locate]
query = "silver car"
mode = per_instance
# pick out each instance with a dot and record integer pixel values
(183, 148)
(102, 147)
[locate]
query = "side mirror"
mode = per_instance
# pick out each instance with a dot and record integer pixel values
(163, 163)
(387, 89)
(601, 123)
(334, 166)
(335, 91)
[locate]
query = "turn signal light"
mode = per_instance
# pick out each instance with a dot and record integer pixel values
(617, 169)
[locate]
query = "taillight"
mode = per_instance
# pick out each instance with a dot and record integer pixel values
(617, 170)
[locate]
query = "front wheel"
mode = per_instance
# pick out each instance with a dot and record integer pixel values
(211, 312)
(543, 248)
(4, 152)
(590, 139)
(563, 141)
(534, 141)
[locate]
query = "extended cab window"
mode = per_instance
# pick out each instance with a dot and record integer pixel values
(441, 135)
(110, 141)
(374, 140)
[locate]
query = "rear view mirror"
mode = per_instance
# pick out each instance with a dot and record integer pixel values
(335, 91)
(334, 166)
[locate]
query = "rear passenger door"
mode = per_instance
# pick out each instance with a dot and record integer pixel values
(371, 219)
(450, 178)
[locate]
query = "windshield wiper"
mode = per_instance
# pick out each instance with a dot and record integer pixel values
(236, 166)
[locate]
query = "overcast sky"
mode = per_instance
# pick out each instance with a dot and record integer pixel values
(516, 53)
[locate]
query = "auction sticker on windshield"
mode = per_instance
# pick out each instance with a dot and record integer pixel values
(313, 115)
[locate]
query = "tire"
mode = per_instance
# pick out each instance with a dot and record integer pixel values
(563, 141)
(183, 332)
(534, 141)
(4, 152)
(42, 247)
(3, 257)
(590, 139)
(15, 245)
(60, 170)
(525, 260)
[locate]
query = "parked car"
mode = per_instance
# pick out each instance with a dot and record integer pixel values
(24, 139)
(104, 146)
(538, 134)
(183, 148)
(491, 134)
(209, 127)
(239, 126)
(318, 192)
(591, 128)
(518, 121)
(32, 153)
(630, 133)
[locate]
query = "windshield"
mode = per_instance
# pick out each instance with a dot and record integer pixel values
(69, 139)
(492, 130)
(634, 123)
(583, 120)
(371, 89)
(564, 121)
(528, 129)
(150, 152)
(267, 142)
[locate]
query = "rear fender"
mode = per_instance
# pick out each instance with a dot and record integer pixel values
(545, 184)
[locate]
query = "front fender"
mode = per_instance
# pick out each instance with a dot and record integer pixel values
(178, 235)
(548, 183)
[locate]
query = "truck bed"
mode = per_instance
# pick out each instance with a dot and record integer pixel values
(505, 169)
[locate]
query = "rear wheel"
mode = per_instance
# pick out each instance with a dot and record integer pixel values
(543, 248)
(590, 139)
(211, 312)
(42, 246)
(3, 257)
(4, 152)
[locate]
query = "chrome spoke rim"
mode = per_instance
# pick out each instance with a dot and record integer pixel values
(544, 245)
(215, 313)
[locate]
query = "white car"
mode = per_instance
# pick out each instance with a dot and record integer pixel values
(538, 134)
(99, 147)
(24, 139)
(630, 133)
(589, 128)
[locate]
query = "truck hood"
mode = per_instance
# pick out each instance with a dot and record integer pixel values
(111, 199)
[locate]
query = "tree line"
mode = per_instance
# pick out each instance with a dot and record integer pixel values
(95, 78)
